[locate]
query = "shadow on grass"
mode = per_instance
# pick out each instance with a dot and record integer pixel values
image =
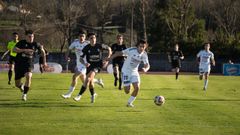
(22, 104)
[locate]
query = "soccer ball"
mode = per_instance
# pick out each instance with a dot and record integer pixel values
(159, 100)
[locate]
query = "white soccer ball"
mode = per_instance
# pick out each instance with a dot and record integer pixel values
(159, 100)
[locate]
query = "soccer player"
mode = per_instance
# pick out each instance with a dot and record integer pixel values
(80, 69)
(175, 57)
(94, 62)
(26, 50)
(12, 55)
(204, 58)
(118, 61)
(130, 75)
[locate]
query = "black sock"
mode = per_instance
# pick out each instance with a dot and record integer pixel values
(177, 76)
(91, 91)
(26, 89)
(9, 75)
(82, 90)
(120, 83)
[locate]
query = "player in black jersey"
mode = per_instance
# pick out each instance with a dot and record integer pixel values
(175, 57)
(26, 50)
(118, 61)
(94, 63)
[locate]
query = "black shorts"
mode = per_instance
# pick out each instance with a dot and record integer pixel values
(20, 71)
(94, 69)
(11, 60)
(119, 64)
(176, 64)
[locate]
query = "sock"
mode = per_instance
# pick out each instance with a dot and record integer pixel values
(26, 89)
(71, 89)
(131, 99)
(20, 86)
(92, 91)
(82, 90)
(9, 75)
(177, 76)
(205, 83)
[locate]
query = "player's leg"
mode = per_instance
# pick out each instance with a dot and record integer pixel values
(201, 72)
(115, 74)
(72, 86)
(27, 85)
(120, 76)
(126, 82)
(84, 86)
(177, 72)
(41, 68)
(11, 68)
(93, 94)
(19, 74)
(136, 86)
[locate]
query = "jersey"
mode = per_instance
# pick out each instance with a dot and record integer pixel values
(134, 58)
(115, 48)
(78, 47)
(23, 59)
(10, 47)
(94, 54)
(175, 55)
(205, 58)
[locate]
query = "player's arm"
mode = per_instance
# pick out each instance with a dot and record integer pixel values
(198, 58)
(43, 54)
(106, 47)
(146, 65)
(181, 55)
(116, 54)
(5, 54)
(169, 57)
(19, 50)
(213, 61)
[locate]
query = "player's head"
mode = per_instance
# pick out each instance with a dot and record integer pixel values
(120, 39)
(29, 36)
(15, 36)
(92, 38)
(176, 46)
(82, 35)
(207, 46)
(142, 45)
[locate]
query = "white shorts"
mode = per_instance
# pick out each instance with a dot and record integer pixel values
(129, 78)
(80, 69)
(203, 69)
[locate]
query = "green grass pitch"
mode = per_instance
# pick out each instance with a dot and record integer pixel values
(187, 110)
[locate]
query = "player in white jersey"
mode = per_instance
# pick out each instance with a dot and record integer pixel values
(130, 75)
(205, 58)
(80, 69)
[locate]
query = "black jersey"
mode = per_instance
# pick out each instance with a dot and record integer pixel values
(94, 53)
(23, 59)
(175, 55)
(115, 47)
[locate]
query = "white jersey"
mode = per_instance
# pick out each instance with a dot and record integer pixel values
(78, 47)
(134, 58)
(205, 58)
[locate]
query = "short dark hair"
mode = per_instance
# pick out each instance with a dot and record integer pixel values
(28, 32)
(91, 34)
(142, 41)
(119, 35)
(81, 32)
(15, 33)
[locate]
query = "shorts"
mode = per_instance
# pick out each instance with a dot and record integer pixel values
(11, 60)
(93, 68)
(20, 71)
(176, 64)
(40, 60)
(80, 69)
(203, 69)
(118, 64)
(128, 78)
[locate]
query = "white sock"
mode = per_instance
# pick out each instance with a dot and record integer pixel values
(71, 89)
(95, 80)
(131, 100)
(205, 83)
